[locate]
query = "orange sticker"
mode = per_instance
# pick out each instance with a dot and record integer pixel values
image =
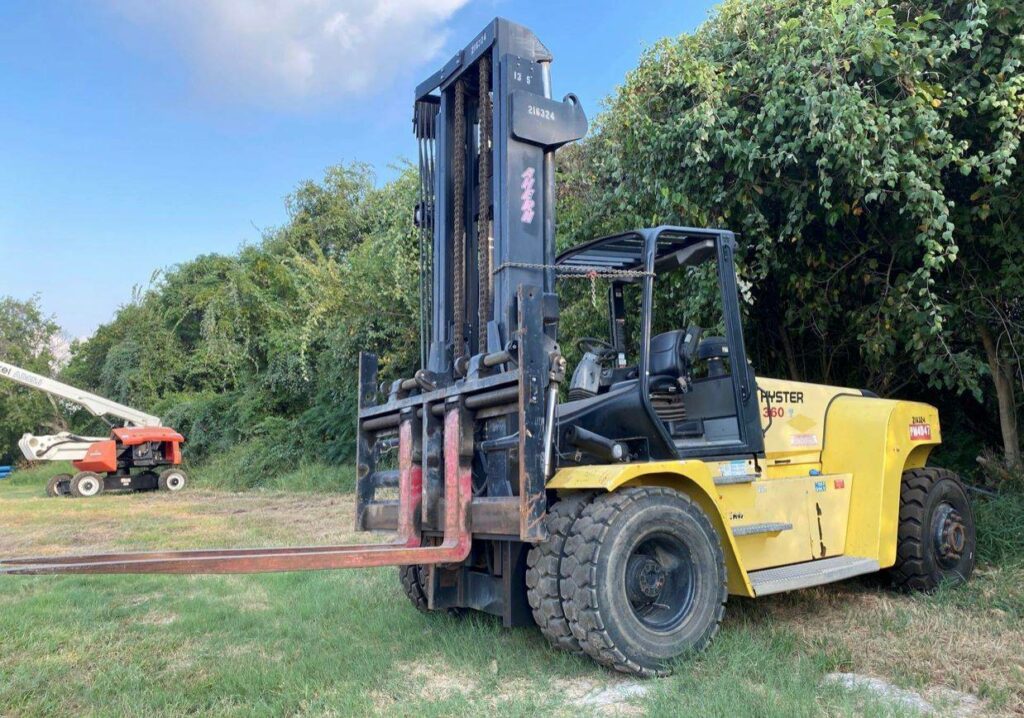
(920, 432)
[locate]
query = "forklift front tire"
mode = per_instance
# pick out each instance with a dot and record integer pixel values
(643, 580)
(172, 480)
(413, 580)
(543, 573)
(86, 484)
(58, 485)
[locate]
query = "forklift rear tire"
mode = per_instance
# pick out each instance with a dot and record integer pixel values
(58, 485)
(543, 573)
(643, 580)
(86, 484)
(937, 541)
(172, 480)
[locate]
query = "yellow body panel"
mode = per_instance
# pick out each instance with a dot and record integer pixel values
(828, 484)
(882, 444)
(815, 506)
(693, 478)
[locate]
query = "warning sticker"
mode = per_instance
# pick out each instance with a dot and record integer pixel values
(803, 440)
(920, 432)
(529, 187)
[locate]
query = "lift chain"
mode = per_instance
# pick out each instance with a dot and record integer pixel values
(483, 233)
(577, 272)
(459, 221)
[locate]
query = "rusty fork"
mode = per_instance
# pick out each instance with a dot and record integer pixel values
(407, 549)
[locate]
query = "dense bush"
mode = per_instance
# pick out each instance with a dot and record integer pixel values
(259, 350)
(867, 152)
(27, 339)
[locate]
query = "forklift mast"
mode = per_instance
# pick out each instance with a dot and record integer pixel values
(488, 129)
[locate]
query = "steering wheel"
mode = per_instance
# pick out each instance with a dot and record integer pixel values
(598, 347)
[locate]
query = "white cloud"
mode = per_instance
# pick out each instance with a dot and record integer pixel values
(280, 52)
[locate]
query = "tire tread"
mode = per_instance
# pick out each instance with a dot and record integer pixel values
(543, 573)
(579, 577)
(910, 572)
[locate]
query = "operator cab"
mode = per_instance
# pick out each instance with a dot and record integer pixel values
(669, 378)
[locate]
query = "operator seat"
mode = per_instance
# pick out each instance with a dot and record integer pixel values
(672, 355)
(667, 361)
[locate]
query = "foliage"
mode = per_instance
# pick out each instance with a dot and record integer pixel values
(260, 349)
(867, 154)
(999, 521)
(27, 338)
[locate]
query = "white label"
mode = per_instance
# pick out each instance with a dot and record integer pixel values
(541, 113)
(733, 468)
(529, 188)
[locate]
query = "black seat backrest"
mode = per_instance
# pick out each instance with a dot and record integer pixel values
(714, 350)
(666, 354)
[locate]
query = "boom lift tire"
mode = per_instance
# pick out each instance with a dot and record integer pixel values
(58, 485)
(86, 484)
(937, 541)
(643, 580)
(543, 568)
(172, 480)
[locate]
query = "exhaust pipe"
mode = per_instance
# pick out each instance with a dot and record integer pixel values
(600, 446)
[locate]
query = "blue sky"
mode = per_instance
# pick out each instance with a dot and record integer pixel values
(134, 135)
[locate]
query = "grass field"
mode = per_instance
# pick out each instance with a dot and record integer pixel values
(349, 643)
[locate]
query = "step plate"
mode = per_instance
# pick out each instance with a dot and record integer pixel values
(765, 528)
(812, 573)
(741, 479)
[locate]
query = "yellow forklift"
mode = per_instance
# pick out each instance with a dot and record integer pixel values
(618, 521)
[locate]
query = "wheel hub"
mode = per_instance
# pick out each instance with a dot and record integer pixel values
(659, 581)
(650, 577)
(647, 578)
(950, 536)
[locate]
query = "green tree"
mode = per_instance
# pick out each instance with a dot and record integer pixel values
(868, 153)
(27, 338)
(260, 348)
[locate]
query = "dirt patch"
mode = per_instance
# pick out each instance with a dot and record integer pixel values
(871, 631)
(436, 680)
(612, 697)
(941, 701)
